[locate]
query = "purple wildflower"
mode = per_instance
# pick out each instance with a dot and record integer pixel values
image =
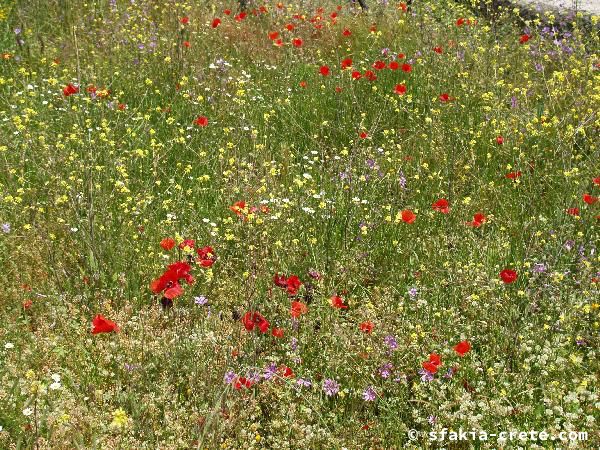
(270, 371)
(425, 375)
(391, 342)
(386, 370)
(331, 387)
(229, 377)
(200, 300)
(303, 383)
(369, 394)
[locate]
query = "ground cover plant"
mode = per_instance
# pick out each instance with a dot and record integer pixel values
(298, 225)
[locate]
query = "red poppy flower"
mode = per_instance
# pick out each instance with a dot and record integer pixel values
(394, 65)
(280, 280)
(302, 84)
(278, 43)
(324, 70)
(400, 89)
(370, 75)
(366, 327)
(241, 16)
(27, 304)
(187, 243)
(346, 63)
(102, 325)
(337, 302)
(478, 220)
(216, 22)
(290, 284)
(408, 216)
(122, 106)
(168, 283)
(298, 308)
(273, 35)
(513, 175)
(433, 364)
(184, 20)
(596, 181)
(356, 75)
(289, 27)
(573, 211)
(346, 32)
(462, 348)
(403, 6)
(242, 382)
(167, 243)
(187, 44)
(508, 276)
(286, 372)
(460, 22)
(378, 65)
(499, 140)
(406, 68)
(297, 42)
(363, 134)
(254, 319)
(441, 205)
(293, 283)
(589, 199)
(227, 12)
(401, 56)
(201, 121)
(438, 50)
(207, 256)
(70, 89)
(239, 208)
(277, 332)
(444, 98)
(524, 38)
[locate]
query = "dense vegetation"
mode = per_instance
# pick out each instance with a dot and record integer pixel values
(298, 226)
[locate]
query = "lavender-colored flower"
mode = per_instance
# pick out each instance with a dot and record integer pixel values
(432, 420)
(391, 342)
(514, 102)
(331, 387)
(270, 371)
(200, 300)
(369, 394)
(425, 375)
(386, 370)
(6, 228)
(253, 376)
(314, 274)
(569, 244)
(17, 31)
(385, 51)
(303, 383)
(450, 372)
(539, 268)
(229, 377)
(402, 180)
(294, 344)
(412, 293)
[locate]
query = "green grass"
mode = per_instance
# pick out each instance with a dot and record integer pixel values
(90, 185)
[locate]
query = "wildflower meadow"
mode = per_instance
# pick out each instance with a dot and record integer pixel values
(312, 224)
